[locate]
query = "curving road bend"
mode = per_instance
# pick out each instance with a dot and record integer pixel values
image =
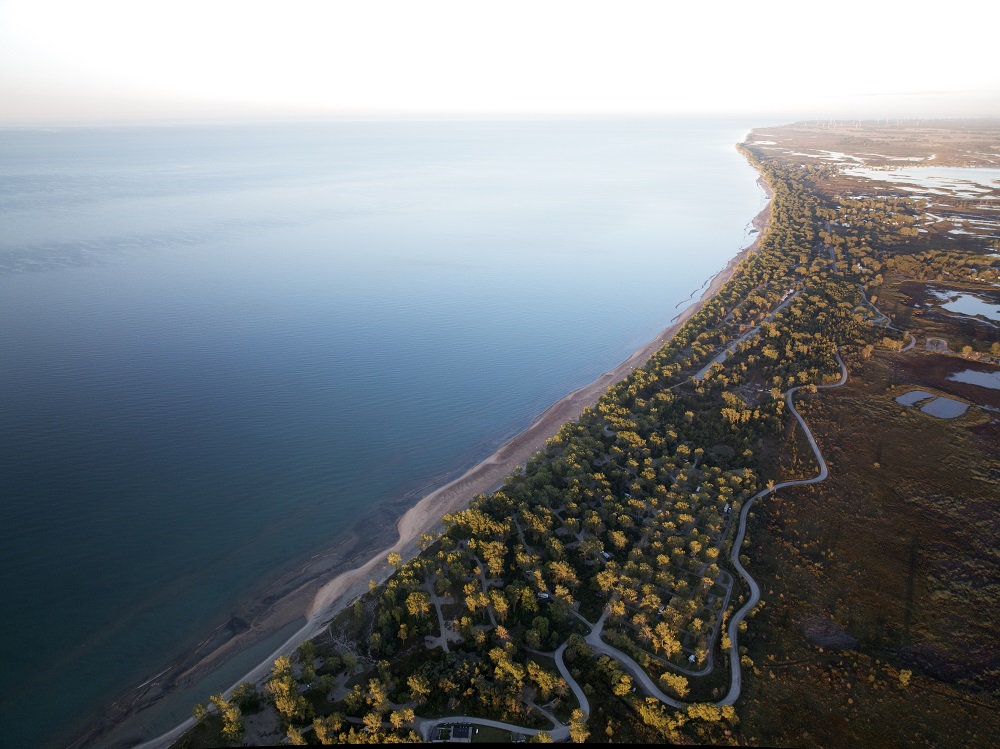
(564, 672)
(884, 320)
(736, 682)
(560, 732)
(637, 671)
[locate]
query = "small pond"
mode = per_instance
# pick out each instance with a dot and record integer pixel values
(913, 397)
(939, 406)
(989, 380)
(967, 304)
(945, 408)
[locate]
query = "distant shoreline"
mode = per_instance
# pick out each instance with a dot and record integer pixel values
(322, 604)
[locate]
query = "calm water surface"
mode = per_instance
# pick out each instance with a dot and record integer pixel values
(226, 348)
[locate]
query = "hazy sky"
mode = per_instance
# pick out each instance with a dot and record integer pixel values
(87, 60)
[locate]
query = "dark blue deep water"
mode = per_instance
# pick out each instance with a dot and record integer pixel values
(226, 348)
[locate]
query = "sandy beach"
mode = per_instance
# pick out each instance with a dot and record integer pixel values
(487, 476)
(318, 600)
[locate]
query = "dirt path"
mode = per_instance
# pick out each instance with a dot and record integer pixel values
(728, 350)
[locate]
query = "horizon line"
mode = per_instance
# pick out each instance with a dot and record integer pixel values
(466, 116)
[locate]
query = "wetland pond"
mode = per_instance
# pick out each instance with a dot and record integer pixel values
(989, 380)
(939, 406)
(970, 305)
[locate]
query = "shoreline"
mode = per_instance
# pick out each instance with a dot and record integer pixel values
(319, 602)
(488, 475)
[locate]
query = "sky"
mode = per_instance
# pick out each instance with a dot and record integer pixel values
(65, 61)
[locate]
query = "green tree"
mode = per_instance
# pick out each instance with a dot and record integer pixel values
(546, 682)
(418, 604)
(373, 722)
(378, 696)
(578, 731)
(420, 687)
(247, 698)
(675, 684)
(232, 723)
(350, 662)
(326, 729)
(399, 717)
(284, 692)
(623, 685)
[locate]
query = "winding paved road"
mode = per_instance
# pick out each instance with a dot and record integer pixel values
(560, 732)
(884, 320)
(643, 679)
(561, 665)
(637, 671)
(593, 639)
(736, 683)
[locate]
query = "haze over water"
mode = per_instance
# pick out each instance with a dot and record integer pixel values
(224, 349)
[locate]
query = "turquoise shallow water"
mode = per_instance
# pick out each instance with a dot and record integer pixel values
(226, 348)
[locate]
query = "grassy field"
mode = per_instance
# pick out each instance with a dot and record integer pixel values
(899, 550)
(881, 584)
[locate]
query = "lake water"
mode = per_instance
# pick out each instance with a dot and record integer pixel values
(913, 397)
(226, 348)
(966, 182)
(945, 408)
(972, 306)
(940, 406)
(989, 380)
